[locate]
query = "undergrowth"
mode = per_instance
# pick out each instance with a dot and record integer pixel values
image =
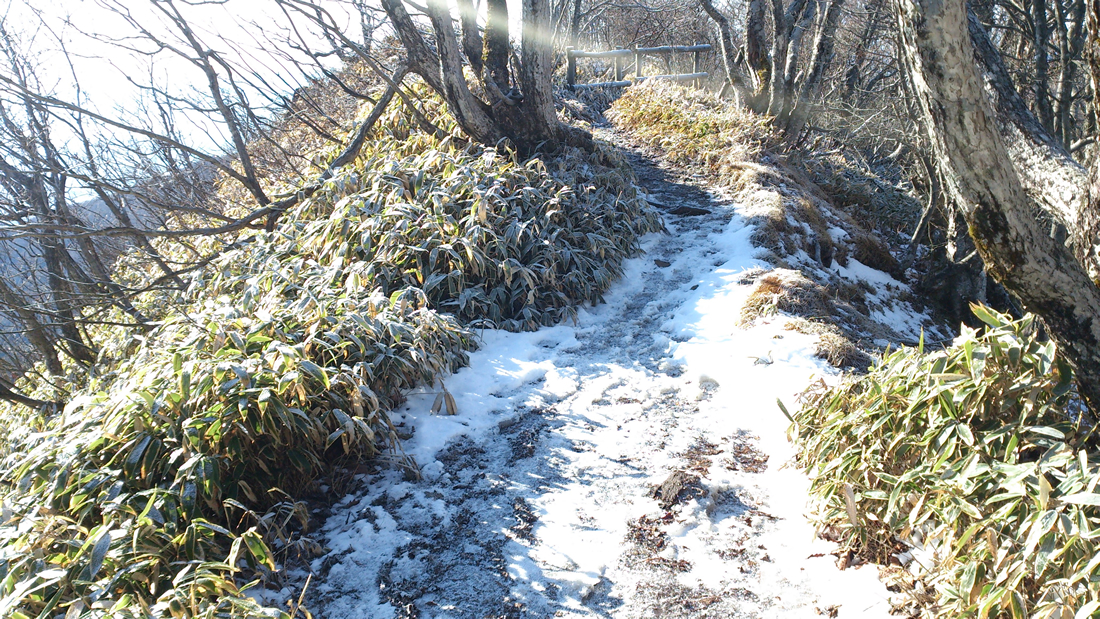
(694, 128)
(171, 479)
(978, 458)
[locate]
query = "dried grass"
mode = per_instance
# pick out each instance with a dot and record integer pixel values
(694, 128)
(841, 352)
(873, 252)
(785, 290)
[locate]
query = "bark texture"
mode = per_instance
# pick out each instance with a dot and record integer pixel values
(472, 45)
(497, 45)
(1010, 228)
(1088, 224)
(524, 112)
(824, 49)
(756, 38)
(779, 81)
(728, 50)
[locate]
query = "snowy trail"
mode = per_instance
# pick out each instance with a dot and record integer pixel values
(538, 497)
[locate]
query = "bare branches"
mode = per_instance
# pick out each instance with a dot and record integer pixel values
(7, 392)
(162, 168)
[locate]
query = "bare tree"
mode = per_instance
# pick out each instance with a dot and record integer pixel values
(1036, 238)
(778, 78)
(516, 105)
(744, 88)
(123, 179)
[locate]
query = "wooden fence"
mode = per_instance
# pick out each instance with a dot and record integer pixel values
(621, 56)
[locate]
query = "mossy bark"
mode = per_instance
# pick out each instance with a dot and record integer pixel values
(996, 189)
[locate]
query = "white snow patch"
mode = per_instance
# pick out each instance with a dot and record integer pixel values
(615, 439)
(856, 270)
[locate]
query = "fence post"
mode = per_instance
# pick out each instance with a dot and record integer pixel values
(638, 72)
(618, 66)
(571, 69)
(696, 65)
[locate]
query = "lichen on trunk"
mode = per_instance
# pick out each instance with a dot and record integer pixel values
(995, 185)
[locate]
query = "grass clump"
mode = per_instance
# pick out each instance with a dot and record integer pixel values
(972, 455)
(833, 345)
(694, 128)
(871, 251)
(785, 290)
(811, 309)
(171, 479)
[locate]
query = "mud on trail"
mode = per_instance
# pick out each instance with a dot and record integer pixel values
(631, 465)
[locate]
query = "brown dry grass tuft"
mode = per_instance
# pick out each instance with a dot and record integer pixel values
(787, 221)
(766, 210)
(840, 352)
(871, 251)
(785, 290)
(832, 344)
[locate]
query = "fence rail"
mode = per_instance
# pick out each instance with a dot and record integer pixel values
(638, 53)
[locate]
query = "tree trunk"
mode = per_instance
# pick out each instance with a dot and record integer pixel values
(778, 55)
(472, 45)
(1052, 178)
(824, 46)
(1011, 230)
(527, 117)
(794, 51)
(497, 45)
(1088, 225)
(756, 45)
(420, 58)
(1042, 62)
(537, 119)
(1071, 41)
(65, 309)
(470, 112)
(34, 330)
(729, 52)
(819, 63)
(786, 23)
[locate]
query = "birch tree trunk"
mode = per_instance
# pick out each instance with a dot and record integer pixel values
(1011, 228)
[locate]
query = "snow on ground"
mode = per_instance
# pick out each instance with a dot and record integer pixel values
(538, 498)
(887, 309)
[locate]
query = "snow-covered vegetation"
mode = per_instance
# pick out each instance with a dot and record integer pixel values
(361, 309)
(182, 460)
(973, 464)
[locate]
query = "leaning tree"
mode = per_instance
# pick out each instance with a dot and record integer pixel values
(1025, 200)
